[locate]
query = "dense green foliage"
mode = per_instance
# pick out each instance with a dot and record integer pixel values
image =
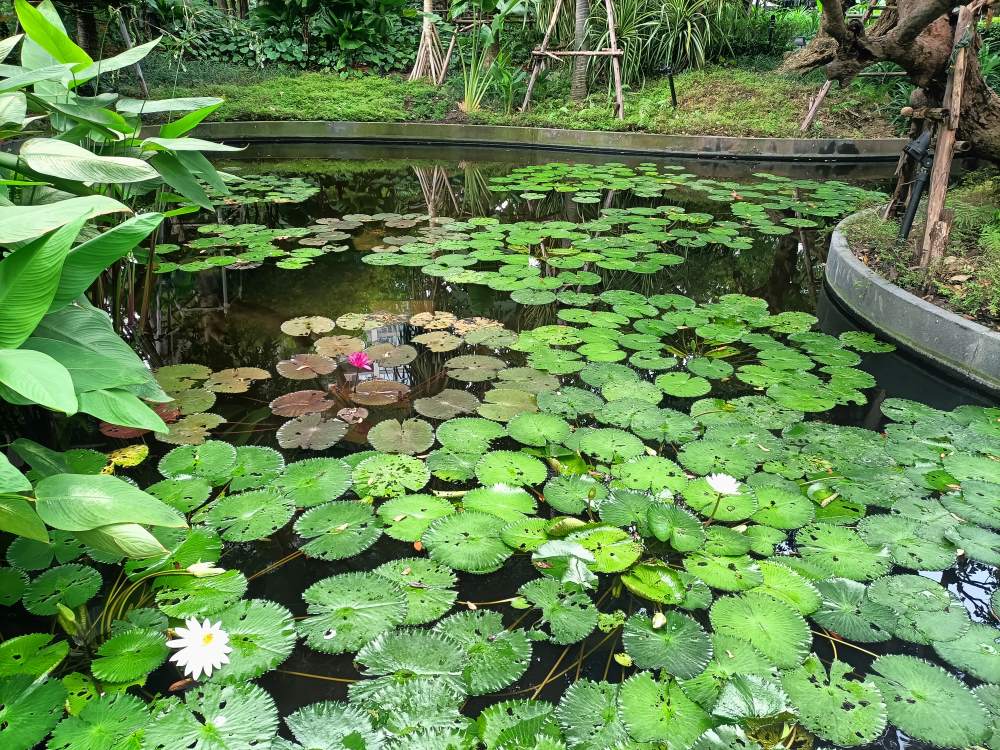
(62, 196)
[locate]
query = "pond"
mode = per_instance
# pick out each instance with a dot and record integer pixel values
(557, 443)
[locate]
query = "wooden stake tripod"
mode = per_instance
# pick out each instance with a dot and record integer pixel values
(613, 53)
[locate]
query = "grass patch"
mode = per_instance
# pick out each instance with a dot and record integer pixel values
(319, 96)
(712, 101)
(967, 280)
(748, 100)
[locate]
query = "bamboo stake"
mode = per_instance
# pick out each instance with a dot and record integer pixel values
(616, 63)
(936, 231)
(537, 67)
(814, 107)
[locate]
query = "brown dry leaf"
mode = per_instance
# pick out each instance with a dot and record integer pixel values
(338, 346)
(465, 325)
(379, 392)
(433, 321)
(353, 414)
(235, 380)
(297, 403)
(306, 366)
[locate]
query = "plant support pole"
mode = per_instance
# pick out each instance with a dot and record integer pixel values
(936, 231)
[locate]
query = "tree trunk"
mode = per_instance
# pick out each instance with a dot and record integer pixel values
(578, 90)
(86, 27)
(917, 35)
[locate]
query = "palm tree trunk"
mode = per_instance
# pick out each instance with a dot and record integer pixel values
(578, 89)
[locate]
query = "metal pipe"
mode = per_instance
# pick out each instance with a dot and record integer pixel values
(916, 193)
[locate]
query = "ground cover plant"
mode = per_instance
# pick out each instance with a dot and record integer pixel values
(717, 100)
(967, 279)
(632, 520)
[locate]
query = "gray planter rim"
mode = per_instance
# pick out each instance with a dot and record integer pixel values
(622, 142)
(960, 347)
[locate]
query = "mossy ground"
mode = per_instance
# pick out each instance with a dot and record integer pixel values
(748, 99)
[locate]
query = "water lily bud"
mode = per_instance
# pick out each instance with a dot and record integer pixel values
(659, 620)
(204, 570)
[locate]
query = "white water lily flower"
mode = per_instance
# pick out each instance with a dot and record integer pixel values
(723, 484)
(204, 570)
(203, 647)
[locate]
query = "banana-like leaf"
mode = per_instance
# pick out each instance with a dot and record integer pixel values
(7, 45)
(28, 77)
(20, 223)
(18, 517)
(29, 278)
(128, 57)
(13, 108)
(180, 179)
(188, 122)
(38, 379)
(184, 104)
(119, 407)
(69, 161)
(86, 261)
(43, 28)
(186, 144)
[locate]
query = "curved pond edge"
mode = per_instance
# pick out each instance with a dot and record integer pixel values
(951, 343)
(621, 142)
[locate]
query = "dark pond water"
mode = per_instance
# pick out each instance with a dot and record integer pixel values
(227, 318)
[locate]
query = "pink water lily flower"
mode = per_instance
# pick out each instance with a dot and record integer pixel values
(359, 360)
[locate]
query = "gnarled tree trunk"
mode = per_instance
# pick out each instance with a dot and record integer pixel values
(917, 35)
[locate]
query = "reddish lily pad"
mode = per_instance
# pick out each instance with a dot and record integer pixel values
(338, 346)
(297, 403)
(379, 392)
(306, 366)
(353, 414)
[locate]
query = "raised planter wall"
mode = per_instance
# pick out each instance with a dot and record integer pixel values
(651, 144)
(960, 347)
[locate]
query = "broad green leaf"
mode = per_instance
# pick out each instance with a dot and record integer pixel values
(79, 502)
(71, 162)
(120, 407)
(928, 703)
(29, 278)
(38, 379)
(842, 711)
(50, 37)
(247, 712)
(124, 59)
(88, 260)
(20, 223)
(155, 106)
(12, 480)
(184, 125)
(658, 711)
(180, 179)
(29, 709)
(19, 518)
(128, 539)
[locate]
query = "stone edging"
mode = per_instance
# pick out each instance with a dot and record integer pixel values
(651, 144)
(959, 346)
